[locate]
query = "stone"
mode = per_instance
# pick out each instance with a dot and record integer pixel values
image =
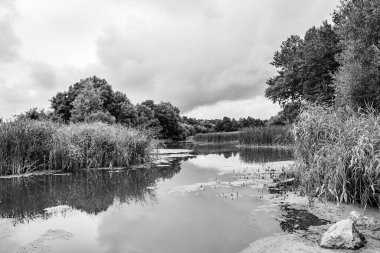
(343, 235)
(354, 216)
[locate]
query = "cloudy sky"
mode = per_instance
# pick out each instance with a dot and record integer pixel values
(208, 57)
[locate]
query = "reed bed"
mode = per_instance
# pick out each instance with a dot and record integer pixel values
(222, 137)
(337, 152)
(28, 145)
(258, 136)
(266, 136)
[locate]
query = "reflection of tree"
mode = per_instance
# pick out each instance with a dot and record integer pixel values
(89, 191)
(265, 154)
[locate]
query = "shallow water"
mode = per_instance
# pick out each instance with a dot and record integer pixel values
(171, 207)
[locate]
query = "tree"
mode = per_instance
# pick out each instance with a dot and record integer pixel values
(305, 69)
(358, 78)
(87, 102)
(62, 103)
(169, 118)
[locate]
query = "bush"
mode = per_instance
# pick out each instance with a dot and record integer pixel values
(28, 145)
(337, 152)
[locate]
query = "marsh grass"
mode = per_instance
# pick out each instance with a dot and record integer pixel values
(258, 136)
(337, 152)
(266, 136)
(222, 137)
(27, 145)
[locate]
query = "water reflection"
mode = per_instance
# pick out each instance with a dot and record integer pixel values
(93, 191)
(246, 154)
(149, 210)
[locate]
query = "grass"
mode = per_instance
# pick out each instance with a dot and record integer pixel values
(27, 145)
(259, 136)
(265, 136)
(222, 137)
(338, 154)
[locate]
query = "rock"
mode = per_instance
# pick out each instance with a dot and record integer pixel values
(354, 216)
(343, 235)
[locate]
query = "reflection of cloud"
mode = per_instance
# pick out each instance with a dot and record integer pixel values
(194, 53)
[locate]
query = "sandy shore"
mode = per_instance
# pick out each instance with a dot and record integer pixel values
(308, 240)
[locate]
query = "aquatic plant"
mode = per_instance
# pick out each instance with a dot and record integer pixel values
(257, 136)
(337, 152)
(221, 137)
(28, 145)
(262, 136)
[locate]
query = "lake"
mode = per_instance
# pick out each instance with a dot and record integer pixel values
(189, 200)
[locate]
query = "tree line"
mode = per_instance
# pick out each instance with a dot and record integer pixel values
(333, 64)
(93, 99)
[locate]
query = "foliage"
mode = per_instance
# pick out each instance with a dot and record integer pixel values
(262, 136)
(225, 137)
(258, 136)
(305, 69)
(358, 78)
(221, 125)
(337, 151)
(27, 145)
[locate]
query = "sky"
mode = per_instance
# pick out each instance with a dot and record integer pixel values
(210, 58)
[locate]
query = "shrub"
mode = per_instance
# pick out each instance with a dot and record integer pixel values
(337, 152)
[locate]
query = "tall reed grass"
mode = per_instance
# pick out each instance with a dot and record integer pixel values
(222, 137)
(28, 145)
(338, 154)
(258, 136)
(266, 136)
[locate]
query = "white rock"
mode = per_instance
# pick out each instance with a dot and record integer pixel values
(354, 216)
(343, 235)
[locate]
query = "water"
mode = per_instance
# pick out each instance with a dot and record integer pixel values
(161, 209)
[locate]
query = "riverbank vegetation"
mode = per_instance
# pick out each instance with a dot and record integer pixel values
(258, 136)
(328, 85)
(30, 145)
(338, 153)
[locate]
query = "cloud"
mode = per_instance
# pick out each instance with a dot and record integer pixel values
(8, 41)
(200, 59)
(193, 53)
(258, 107)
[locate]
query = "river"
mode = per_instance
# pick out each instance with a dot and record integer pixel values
(190, 200)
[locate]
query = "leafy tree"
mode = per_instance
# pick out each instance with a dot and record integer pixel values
(358, 79)
(100, 116)
(35, 114)
(128, 114)
(305, 69)
(88, 101)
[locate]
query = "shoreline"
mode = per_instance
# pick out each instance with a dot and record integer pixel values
(308, 240)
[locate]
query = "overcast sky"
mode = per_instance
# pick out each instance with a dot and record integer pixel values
(208, 57)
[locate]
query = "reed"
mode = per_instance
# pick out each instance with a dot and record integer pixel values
(222, 137)
(28, 145)
(337, 152)
(265, 136)
(258, 136)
